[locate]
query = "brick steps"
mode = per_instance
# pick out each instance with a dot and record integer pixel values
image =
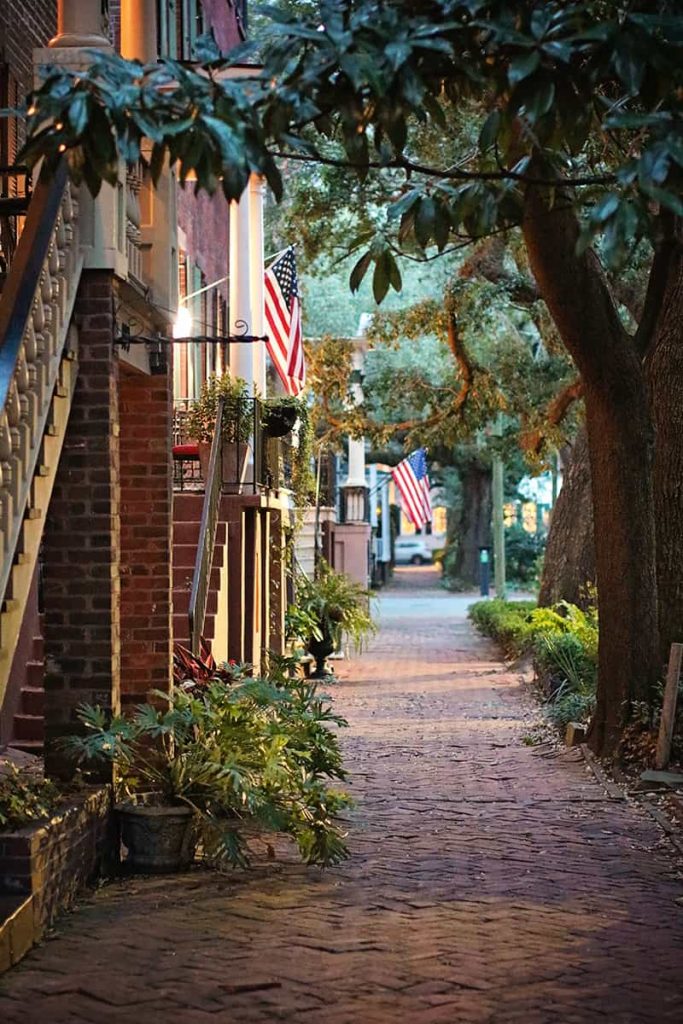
(28, 725)
(187, 514)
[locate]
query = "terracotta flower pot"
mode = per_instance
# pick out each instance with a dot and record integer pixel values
(158, 839)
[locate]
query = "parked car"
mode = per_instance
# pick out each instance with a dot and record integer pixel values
(411, 551)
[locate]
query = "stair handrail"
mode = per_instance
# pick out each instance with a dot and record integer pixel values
(22, 281)
(35, 312)
(201, 578)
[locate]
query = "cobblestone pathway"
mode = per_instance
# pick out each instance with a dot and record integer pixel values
(489, 881)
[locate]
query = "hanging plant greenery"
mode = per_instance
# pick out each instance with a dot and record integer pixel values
(283, 415)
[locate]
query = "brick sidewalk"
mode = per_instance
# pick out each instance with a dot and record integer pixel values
(489, 881)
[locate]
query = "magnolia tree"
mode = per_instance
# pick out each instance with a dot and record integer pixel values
(579, 109)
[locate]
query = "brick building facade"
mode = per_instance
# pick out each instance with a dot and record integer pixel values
(105, 582)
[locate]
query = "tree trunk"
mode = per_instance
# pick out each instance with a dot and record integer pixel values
(664, 370)
(620, 446)
(569, 564)
(474, 527)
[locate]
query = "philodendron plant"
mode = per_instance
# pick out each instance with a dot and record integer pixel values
(258, 751)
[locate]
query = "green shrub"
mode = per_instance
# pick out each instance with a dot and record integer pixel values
(565, 659)
(523, 553)
(564, 643)
(567, 706)
(504, 621)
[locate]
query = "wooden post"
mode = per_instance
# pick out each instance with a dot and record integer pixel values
(666, 726)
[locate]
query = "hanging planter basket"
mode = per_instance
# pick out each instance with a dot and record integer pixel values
(279, 420)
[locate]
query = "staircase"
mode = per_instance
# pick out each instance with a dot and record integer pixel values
(187, 514)
(38, 369)
(28, 731)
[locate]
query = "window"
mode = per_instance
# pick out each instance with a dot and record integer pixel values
(180, 22)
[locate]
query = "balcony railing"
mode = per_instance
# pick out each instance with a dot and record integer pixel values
(247, 466)
(134, 180)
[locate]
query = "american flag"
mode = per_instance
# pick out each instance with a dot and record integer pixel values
(283, 317)
(412, 480)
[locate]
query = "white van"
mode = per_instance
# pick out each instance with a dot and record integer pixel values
(411, 551)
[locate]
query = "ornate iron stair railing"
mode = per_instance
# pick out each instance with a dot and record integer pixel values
(37, 378)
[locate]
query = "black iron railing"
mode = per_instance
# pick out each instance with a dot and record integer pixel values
(207, 537)
(251, 461)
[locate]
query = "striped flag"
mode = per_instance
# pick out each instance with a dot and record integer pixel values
(283, 319)
(412, 480)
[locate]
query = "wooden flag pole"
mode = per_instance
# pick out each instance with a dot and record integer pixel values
(666, 726)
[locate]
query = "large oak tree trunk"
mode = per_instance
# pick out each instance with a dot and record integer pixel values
(664, 369)
(474, 526)
(569, 563)
(620, 446)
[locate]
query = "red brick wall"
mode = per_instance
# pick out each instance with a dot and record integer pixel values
(81, 544)
(145, 405)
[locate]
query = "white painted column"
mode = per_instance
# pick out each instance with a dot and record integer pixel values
(139, 30)
(257, 325)
(386, 521)
(81, 23)
(356, 475)
(241, 354)
(354, 486)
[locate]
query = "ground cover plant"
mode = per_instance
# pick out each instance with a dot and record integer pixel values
(26, 797)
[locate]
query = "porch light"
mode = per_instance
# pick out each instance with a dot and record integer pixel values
(182, 328)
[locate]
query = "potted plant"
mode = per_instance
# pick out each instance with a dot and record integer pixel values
(338, 607)
(279, 415)
(201, 763)
(237, 425)
(284, 415)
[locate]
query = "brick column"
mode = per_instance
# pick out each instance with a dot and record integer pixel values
(146, 411)
(81, 541)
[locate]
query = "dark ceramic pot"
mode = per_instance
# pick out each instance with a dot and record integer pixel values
(321, 649)
(158, 839)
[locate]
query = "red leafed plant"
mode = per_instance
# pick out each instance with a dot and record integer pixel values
(192, 671)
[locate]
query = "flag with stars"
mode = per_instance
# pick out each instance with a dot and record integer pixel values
(412, 480)
(283, 319)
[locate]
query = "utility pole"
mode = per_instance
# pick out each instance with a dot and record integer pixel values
(498, 520)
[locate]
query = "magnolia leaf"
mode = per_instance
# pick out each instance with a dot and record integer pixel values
(489, 131)
(359, 271)
(522, 66)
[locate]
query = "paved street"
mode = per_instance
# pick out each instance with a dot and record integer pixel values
(490, 881)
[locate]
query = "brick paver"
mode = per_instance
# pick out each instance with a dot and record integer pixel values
(490, 881)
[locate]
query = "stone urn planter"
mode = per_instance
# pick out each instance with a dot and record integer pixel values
(235, 459)
(321, 649)
(158, 839)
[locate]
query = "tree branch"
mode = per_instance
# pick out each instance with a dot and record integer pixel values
(656, 285)
(532, 441)
(462, 358)
(445, 174)
(574, 288)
